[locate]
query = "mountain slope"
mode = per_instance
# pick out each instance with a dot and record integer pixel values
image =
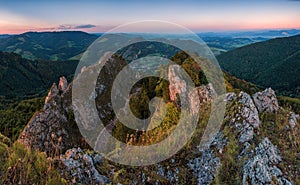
(48, 45)
(272, 63)
(20, 77)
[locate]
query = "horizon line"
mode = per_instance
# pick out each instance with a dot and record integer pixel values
(196, 32)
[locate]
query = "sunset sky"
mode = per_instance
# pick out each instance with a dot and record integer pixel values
(99, 16)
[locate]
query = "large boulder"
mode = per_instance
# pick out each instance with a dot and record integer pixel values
(266, 101)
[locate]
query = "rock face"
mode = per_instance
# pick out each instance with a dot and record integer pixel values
(246, 119)
(262, 167)
(52, 93)
(266, 101)
(78, 167)
(53, 129)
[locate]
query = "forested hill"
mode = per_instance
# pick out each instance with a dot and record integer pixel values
(273, 63)
(48, 45)
(20, 77)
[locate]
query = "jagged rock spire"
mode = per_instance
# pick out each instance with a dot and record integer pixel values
(53, 130)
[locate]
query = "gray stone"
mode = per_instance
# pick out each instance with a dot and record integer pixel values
(246, 119)
(205, 167)
(261, 168)
(170, 174)
(293, 119)
(266, 101)
(80, 166)
(230, 97)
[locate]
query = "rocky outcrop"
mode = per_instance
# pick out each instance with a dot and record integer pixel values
(206, 93)
(53, 129)
(262, 167)
(205, 167)
(246, 118)
(178, 86)
(229, 97)
(293, 119)
(52, 93)
(170, 174)
(266, 101)
(203, 94)
(260, 164)
(78, 167)
(63, 84)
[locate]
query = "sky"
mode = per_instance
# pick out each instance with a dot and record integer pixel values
(18, 16)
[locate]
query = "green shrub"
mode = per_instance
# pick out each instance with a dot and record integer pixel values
(25, 166)
(14, 118)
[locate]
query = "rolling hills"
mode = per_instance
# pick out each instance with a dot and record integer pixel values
(67, 45)
(48, 45)
(273, 63)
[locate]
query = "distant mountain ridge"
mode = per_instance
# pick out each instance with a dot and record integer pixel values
(66, 45)
(273, 63)
(63, 45)
(253, 34)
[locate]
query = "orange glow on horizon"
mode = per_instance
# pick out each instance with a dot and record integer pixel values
(15, 29)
